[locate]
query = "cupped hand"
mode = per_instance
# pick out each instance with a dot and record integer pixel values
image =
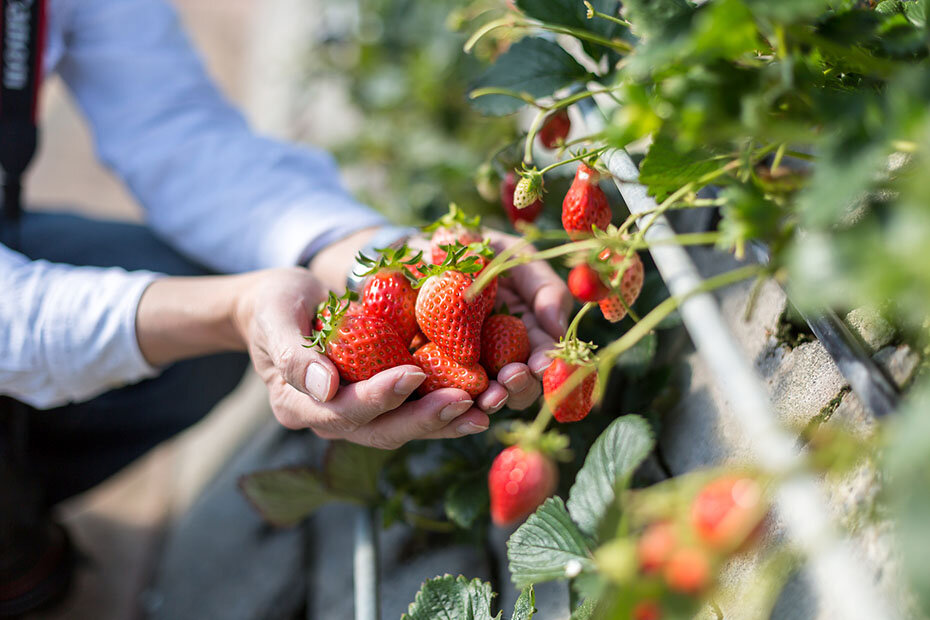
(276, 307)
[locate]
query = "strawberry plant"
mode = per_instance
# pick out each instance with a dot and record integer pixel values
(803, 126)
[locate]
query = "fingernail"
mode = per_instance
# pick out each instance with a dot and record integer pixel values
(495, 407)
(317, 381)
(518, 382)
(470, 428)
(408, 382)
(450, 412)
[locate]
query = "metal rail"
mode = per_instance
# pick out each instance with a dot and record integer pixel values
(799, 501)
(366, 566)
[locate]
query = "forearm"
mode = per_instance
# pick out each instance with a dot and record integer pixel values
(181, 318)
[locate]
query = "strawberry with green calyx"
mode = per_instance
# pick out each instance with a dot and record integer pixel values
(444, 372)
(529, 189)
(504, 340)
(528, 214)
(555, 129)
(627, 286)
(323, 310)
(360, 346)
(570, 356)
(453, 227)
(585, 207)
(523, 475)
(445, 311)
(388, 292)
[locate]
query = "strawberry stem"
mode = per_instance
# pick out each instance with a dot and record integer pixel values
(582, 155)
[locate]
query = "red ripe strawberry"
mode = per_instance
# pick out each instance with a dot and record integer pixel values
(688, 570)
(388, 292)
(570, 356)
(585, 283)
(646, 610)
(446, 314)
(656, 546)
(585, 205)
(519, 481)
(631, 284)
(727, 511)
(555, 129)
(526, 214)
(504, 340)
(453, 227)
(443, 372)
(360, 346)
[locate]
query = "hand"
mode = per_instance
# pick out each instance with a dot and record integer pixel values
(273, 310)
(543, 300)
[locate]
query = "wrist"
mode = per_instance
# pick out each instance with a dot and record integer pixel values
(331, 264)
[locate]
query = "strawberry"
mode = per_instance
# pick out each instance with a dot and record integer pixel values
(529, 189)
(585, 205)
(655, 547)
(555, 129)
(727, 512)
(445, 312)
(360, 346)
(453, 227)
(519, 481)
(646, 610)
(504, 340)
(585, 283)
(528, 213)
(443, 372)
(688, 570)
(354, 309)
(388, 292)
(570, 356)
(629, 288)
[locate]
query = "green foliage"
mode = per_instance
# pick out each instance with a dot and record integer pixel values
(456, 598)
(666, 169)
(284, 497)
(610, 463)
(533, 66)
(548, 546)
(466, 500)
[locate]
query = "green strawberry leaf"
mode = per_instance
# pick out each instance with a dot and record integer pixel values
(665, 168)
(573, 14)
(466, 499)
(457, 598)
(284, 497)
(352, 471)
(533, 66)
(548, 546)
(585, 611)
(611, 461)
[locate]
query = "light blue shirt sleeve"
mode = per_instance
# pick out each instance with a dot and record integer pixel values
(67, 333)
(216, 191)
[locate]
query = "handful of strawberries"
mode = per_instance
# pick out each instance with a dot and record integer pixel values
(425, 314)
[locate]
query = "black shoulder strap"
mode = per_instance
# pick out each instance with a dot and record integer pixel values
(22, 39)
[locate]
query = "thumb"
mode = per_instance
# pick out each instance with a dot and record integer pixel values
(306, 370)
